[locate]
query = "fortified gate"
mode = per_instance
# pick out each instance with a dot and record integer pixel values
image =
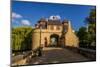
(53, 32)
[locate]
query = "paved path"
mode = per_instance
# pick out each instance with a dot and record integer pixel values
(56, 55)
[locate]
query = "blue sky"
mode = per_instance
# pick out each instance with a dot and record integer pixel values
(28, 13)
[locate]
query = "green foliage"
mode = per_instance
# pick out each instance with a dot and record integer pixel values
(91, 19)
(82, 33)
(92, 25)
(87, 36)
(21, 38)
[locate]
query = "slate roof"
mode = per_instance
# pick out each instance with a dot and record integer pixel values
(54, 22)
(42, 20)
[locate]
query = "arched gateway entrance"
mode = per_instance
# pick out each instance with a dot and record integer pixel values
(54, 38)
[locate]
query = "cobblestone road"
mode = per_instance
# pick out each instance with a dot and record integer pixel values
(57, 55)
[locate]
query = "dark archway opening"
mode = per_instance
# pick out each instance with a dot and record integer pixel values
(54, 38)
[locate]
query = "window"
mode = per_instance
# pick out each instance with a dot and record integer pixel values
(58, 27)
(52, 27)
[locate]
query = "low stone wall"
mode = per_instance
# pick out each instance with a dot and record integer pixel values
(89, 53)
(21, 59)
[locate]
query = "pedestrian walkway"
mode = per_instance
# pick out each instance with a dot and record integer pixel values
(57, 55)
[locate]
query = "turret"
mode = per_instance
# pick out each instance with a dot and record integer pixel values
(36, 39)
(42, 23)
(65, 26)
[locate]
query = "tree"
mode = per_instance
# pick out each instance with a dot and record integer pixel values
(87, 36)
(91, 20)
(82, 34)
(21, 38)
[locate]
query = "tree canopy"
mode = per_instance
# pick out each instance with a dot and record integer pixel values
(21, 38)
(87, 35)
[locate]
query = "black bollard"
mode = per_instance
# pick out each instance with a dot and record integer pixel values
(40, 51)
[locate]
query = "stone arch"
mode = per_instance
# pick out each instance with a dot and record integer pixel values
(54, 39)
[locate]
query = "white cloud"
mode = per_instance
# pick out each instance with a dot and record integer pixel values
(16, 16)
(18, 19)
(25, 22)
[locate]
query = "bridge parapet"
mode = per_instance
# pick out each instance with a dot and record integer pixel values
(89, 53)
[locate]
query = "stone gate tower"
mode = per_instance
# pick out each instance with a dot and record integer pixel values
(53, 32)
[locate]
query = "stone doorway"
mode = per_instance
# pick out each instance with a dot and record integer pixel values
(54, 38)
